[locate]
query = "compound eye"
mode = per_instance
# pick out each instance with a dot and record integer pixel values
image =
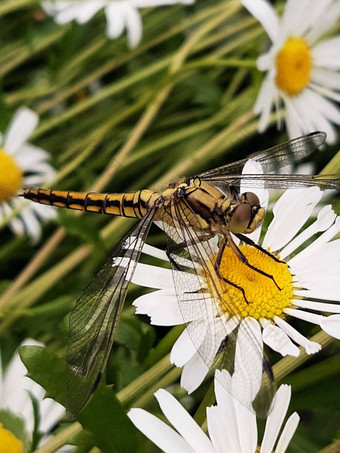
(240, 218)
(251, 198)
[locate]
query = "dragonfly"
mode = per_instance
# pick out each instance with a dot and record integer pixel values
(191, 211)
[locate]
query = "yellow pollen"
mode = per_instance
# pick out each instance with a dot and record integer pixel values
(293, 66)
(8, 442)
(11, 176)
(264, 298)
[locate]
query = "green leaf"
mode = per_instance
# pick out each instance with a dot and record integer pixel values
(104, 417)
(36, 414)
(47, 369)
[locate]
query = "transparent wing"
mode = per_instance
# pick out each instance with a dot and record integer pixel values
(95, 317)
(214, 332)
(273, 159)
(277, 181)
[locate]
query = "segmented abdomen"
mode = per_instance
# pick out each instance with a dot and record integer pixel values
(133, 204)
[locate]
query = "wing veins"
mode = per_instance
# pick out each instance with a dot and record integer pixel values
(88, 349)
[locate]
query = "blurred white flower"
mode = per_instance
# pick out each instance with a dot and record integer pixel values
(23, 164)
(119, 14)
(231, 426)
(15, 390)
(302, 65)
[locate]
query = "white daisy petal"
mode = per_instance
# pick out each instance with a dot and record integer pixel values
(45, 212)
(193, 373)
(217, 430)
(17, 226)
(323, 90)
(287, 433)
(162, 308)
(284, 226)
(329, 11)
(326, 53)
(153, 277)
(81, 12)
(187, 343)
(29, 154)
(225, 403)
(275, 418)
(304, 315)
(246, 423)
(22, 125)
(293, 22)
(134, 26)
(325, 109)
(265, 14)
(248, 361)
(155, 252)
(296, 118)
(318, 306)
(326, 77)
(264, 101)
(85, 11)
(278, 340)
(115, 19)
(311, 347)
(324, 293)
(32, 226)
(325, 219)
(183, 422)
(317, 246)
(167, 439)
(331, 325)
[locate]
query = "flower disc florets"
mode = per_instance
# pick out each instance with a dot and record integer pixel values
(262, 296)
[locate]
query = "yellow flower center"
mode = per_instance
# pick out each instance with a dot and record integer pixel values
(261, 298)
(8, 442)
(11, 176)
(293, 66)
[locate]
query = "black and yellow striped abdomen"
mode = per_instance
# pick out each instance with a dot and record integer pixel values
(131, 204)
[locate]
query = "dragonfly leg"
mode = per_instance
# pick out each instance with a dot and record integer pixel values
(248, 241)
(182, 245)
(228, 240)
(217, 269)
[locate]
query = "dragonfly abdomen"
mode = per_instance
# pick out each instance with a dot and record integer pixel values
(131, 204)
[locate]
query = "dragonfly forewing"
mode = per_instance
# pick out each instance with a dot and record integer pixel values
(94, 319)
(273, 159)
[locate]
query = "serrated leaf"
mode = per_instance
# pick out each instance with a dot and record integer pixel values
(47, 369)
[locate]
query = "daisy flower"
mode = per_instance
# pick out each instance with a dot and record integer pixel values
(304, 264)
(119, 14)
(302, 65)
(231, 427)
(15, 399)
(22, 164)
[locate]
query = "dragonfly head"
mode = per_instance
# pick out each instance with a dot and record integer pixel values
(247, 214)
